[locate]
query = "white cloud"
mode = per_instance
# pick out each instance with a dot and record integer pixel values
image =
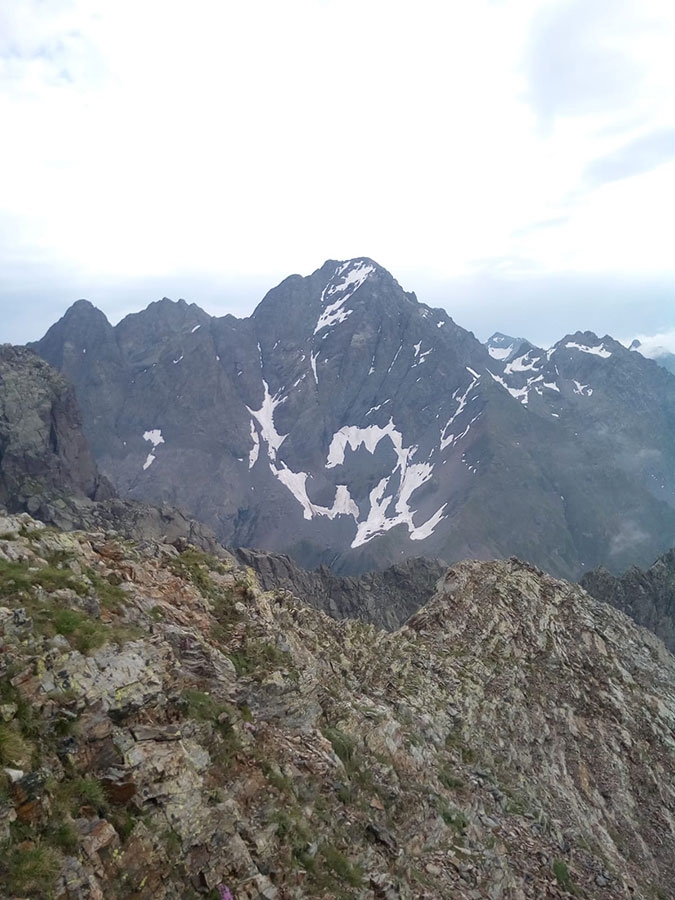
(654, 345)
(156, 139)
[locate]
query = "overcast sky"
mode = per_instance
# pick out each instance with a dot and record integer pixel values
(510, 160)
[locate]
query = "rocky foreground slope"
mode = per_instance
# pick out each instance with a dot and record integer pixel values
(169, 730)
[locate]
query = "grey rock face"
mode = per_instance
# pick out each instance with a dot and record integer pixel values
(647, 596)
(384, 598)
(345, 423)
(47, 469)
(41, 443)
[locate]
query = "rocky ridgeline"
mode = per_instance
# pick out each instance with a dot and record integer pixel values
(646, 595)
(384, 598)
(169, 730)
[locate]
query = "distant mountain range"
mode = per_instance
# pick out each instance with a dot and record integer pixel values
(346, 423)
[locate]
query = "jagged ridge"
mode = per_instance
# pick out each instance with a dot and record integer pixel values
(175, 729)
(347, 424)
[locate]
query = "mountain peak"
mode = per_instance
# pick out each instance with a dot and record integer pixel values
(504, 347)
(589, 342)
(83, 310)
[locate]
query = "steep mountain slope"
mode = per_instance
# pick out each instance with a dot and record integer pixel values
(42, 447)
(615, 449)
(647, 596)
(47, 468)
(345, 423)
(170, 731)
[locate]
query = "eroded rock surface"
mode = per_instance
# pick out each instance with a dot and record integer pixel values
(170, 730)
(384, 598)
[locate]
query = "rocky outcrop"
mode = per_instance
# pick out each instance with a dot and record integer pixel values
(384, 598)
(169, 730)
(42, 448)
(647, 596)
(47, 469)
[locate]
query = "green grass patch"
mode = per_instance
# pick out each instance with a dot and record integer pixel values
(344, 746)
(562, 876)
(19, 577)
(449, 780)
(454, 818)
(339, 864)
(110, 596)
(81, 792)
(14, 749)
(62, 836)
(204, 708)
(195, 566)
(259, 658)
(277, 779)
(32, 872)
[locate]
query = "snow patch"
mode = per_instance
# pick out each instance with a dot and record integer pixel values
(345, 281)
(379, 406)
(255, 449)
(196, 328)
(296, 482)
(582, 389)
(265, 419)
(154, 436)
(394, 359)
(522, 364)
(312, 360)
(411, 477)
(355, 437)
(178, 360)
(596, 351)
(521, 394)
(333, 315)
(450, 439)
(500, 352)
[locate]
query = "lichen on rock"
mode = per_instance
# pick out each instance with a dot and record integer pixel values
(514, 739)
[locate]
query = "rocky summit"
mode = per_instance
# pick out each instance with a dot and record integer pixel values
(170, 730)
(345, 423)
